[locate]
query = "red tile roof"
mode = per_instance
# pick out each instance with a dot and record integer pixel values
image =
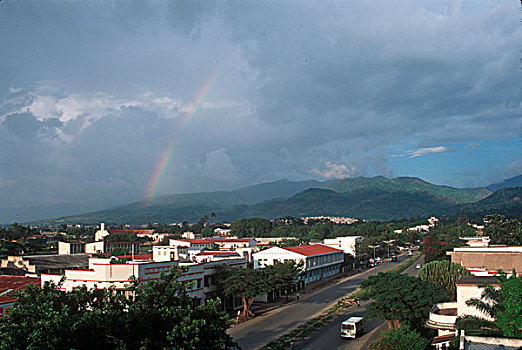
(194, 240)
(217, 253)
(142, 232)
(313, 249)
(137, 256)
(8, 284)
(219, 239)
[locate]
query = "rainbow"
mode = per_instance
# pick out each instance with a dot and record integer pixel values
(163, 163)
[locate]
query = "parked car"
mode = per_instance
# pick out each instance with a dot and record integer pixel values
(393, 258)
(418, 266)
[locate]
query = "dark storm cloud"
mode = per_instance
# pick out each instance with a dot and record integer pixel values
(94, 92)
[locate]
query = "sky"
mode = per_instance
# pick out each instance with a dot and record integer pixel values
(110, 102)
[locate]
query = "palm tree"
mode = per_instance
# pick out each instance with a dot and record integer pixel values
(491, 303)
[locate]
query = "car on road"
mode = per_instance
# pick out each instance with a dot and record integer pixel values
(418, 266)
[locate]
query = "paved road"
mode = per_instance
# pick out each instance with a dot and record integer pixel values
(329, 336)
(261, 330)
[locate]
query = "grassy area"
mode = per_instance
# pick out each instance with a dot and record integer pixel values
(406, 263)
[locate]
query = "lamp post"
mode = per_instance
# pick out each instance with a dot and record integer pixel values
(374, 264)
(388, 242)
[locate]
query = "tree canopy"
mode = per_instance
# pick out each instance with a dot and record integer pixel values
(401, 298)
(399, 339)
(248, 283)
(445, 274)
(157, 315)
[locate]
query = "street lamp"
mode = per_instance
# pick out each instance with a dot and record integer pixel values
(374, 264)
(388, 254)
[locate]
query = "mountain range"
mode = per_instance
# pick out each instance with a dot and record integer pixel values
(371, 198)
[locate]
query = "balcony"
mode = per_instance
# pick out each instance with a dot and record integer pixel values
(443, 316)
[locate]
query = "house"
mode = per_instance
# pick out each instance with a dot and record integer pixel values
(10, 284)
(193, 243)
(319, 261)
(103, 274)
(346, 244)
(107, 246)
(486, 261)
(443, 316)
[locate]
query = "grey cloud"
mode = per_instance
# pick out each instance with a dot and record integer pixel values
(99, 88)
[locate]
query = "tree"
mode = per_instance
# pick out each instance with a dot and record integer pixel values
(245, 283)
(399, 298)
(284, 276)
(158, 315)
(163, 316)
(502, 231)
(399, 339)
(500, 304)
(445, 274)
(49, 318)
(434, 249)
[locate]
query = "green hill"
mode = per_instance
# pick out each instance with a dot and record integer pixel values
(409, 185)
(376, 198)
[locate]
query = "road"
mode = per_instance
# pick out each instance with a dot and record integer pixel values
(262, 329)
(329, 336)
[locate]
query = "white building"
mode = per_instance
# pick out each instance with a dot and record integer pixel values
(243, 246)
(319, 261)
(101, 233)
(486, 261)
(443, 316)
(346, 244)
(103, 274)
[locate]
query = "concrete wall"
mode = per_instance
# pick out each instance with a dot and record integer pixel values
(491, 261)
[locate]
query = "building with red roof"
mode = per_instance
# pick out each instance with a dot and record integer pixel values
(319, 261)
(9, 285)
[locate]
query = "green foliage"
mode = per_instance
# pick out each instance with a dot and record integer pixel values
(434, 249)
(509, 317)
(502, 304)
(159, 315)
(443, 273)
(503, 231)
(402, 298)
(122, 237)
(399, 339)
(283, 276)
(253, 227)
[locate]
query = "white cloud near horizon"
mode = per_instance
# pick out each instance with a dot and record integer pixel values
(334, 171)
(427, 151)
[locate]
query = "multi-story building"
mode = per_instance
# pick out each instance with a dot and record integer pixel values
(319, 261)
(486, 261)
(104, 274)
(346, 244)
(443, 316)
(202, 274)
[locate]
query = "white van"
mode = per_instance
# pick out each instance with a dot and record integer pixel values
(352, 327)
